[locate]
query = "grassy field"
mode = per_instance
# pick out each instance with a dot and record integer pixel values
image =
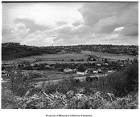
(66, 58)
(109, 55)
(50, 74)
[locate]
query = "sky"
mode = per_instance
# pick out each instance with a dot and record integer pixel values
(47, 24)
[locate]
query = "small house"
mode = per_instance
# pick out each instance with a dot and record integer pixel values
(80, 73)
(99, 65)
(68, 70)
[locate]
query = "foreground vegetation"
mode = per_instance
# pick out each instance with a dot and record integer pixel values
(116, 91)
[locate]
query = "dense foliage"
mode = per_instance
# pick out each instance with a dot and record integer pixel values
(123, 82)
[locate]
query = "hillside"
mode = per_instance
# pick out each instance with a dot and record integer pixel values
(15, 50)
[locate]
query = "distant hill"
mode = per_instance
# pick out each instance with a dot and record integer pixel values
(15, 50)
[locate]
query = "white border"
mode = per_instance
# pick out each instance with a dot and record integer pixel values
(44, 112)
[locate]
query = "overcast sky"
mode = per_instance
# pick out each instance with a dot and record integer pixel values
(45, 24)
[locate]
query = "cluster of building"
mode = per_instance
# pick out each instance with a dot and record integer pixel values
(103, 66)
(92, 66)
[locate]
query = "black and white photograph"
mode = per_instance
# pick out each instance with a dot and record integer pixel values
(69, 55)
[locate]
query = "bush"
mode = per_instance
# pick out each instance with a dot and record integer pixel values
(123, 82)
(132, 77)
(73, 100)
(19, 82)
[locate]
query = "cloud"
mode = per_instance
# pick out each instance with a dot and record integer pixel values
(77, 23)
(94, 23)
(14, 33)
(92, 13)
(39, 38)
(30, 24)
(131, 30)
(72, 34)
(105, 17)
(20, 29)
(118, 29)
(61, 23)
(42, 13)
(6, 29)
(106, 25)
(103, 23)
(25, 31)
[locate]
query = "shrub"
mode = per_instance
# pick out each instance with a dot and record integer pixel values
(123, 82)
(57, 100)
(18, 82)
(132, 77)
